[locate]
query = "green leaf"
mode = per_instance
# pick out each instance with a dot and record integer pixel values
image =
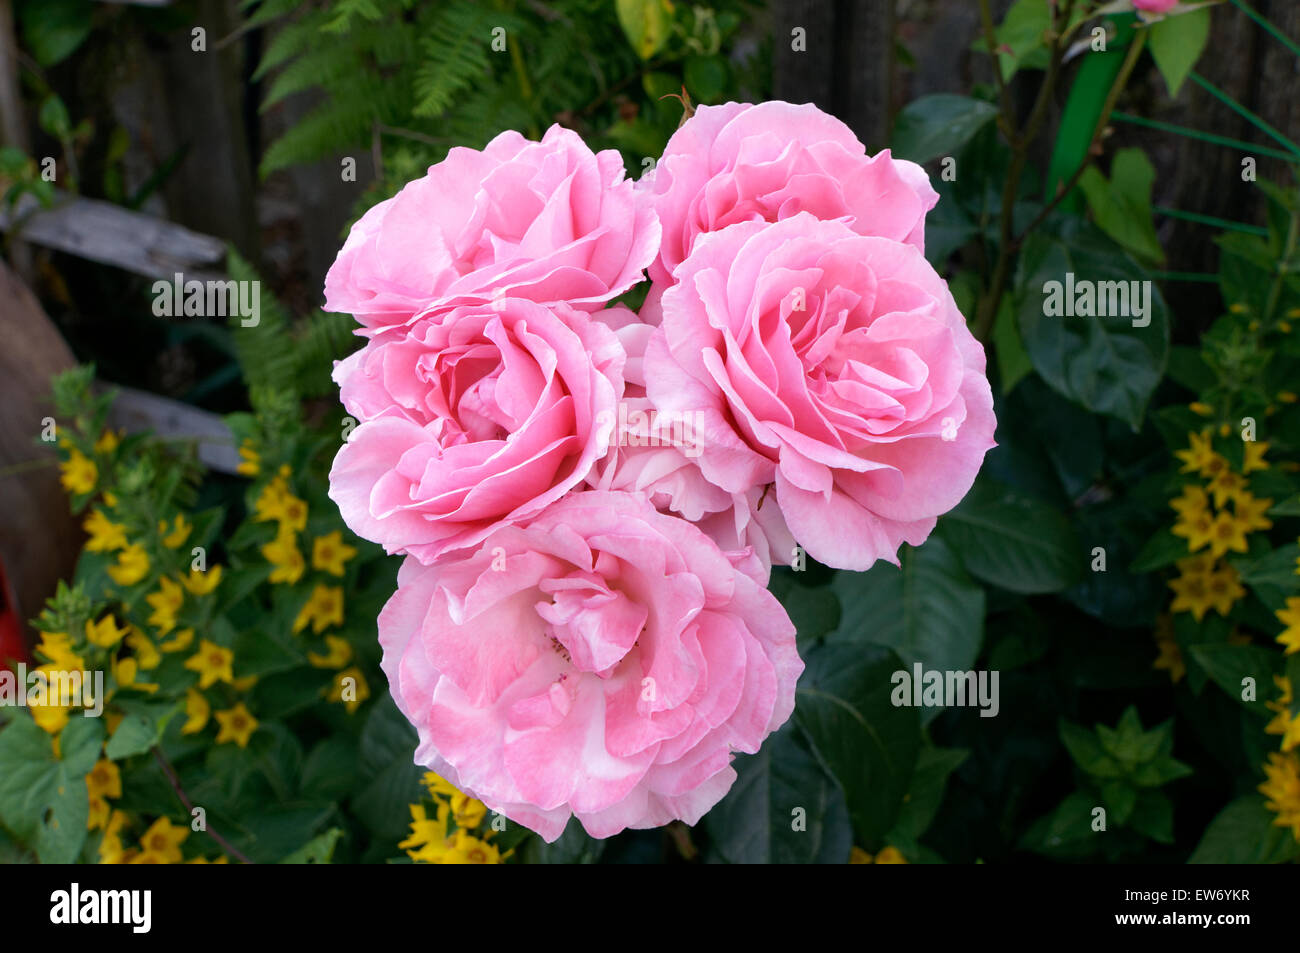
(1067, 831)
(1176, 44)
(1244, 833)
(1121, 205)
(866, 742)
(938, 125)
(1013, 541)
(814, 611)
(319, 850)
(925, 794)
(43, 800)
(705, 77)
(927, 609)
(783, 809)
(1086, 750)
(1153, 815)
(646, 23)
(1019, 35)
(573, 846)
(54, 29)
(1228, 665)
(139, 731)
(1120, 798)
(1013, 359)
(1162, 549)
(1105, 363)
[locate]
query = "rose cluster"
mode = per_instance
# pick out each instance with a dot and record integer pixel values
(590, 499)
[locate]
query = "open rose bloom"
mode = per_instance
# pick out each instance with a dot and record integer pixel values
(590, 500)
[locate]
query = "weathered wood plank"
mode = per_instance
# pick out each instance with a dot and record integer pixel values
(109, 234)
(137, 410)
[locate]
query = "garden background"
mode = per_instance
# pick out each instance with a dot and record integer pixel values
(1127, 561)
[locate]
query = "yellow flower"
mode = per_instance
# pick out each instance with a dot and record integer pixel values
(323, 609)
(426, 831)
(197, 711)
(1224, 590)
(1197, 529)
(349, 687)
(50, 718)
(1170, 655)
(244, 684)
(201, 583)
(270, 501)
(1191, 594)
(104, 780)
(1227, 534)
(1290, 616)
(108, 441)
(110, 499)
(293, 512)
(1191, 502)
(1254, 456)
(145, 651)
(237, 725)
(888, 855)
(178, 642)
(463, 848)
(1284, 723)
(467, 811)
(1199, 453)
(1249, 512)
(251, 461)
(329, 553)
(105, 535)
(213, 663)
(283, 554)
(164, 840)
(110, 848)
(166, 602)
(340, 653)
(57, 648)
(132, 565)
(79, 472)
(104, 633)
(125, 671)
(438, 786)
(1282, 790)
(176, 535)
(100, 811)
(1200, 409)
(1226, 485)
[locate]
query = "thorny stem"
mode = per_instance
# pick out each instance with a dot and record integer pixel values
(175, 782)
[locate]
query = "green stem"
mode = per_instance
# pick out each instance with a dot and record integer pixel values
(1268, 27)
(1210, 137)
(1212, 220)
(1245, 113)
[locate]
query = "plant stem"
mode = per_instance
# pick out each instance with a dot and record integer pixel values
(175, 782)
(1212, 138)
(1244, 113)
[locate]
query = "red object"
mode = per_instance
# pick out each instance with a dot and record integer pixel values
(12, 648)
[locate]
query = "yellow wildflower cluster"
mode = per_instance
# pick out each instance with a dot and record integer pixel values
(1282, 790)
(160, 844)
(434, 839)
(888, 855)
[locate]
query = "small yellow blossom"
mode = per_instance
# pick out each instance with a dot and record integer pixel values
(1227, 534)
(339, 654)
(146, 653)
(1196, 528)
(132, 565)
(1290, 616)
(126, 671)
(323, 608)
(250, 461)
(283, 554)
(1253, 458)
(1282, 790)
(108, 441)
(164, 839)
(351, 688)
(329, 553)
(178, 642)
(104, 780)
(1225, 486)
(79, 473)
(1249, 512)
(104, 633)
(105, 535)
(237, 725)
(166, 602)
(213, 663)
(201, 583)
(197, 711)
(1199, 454)
(467, 811)
(178, 533)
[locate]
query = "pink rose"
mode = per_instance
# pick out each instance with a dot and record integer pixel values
(548, 221)
(764, 163)
(836, 367)
(1155, 6)
(481, 416)
(655, 455)
(603, 661)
